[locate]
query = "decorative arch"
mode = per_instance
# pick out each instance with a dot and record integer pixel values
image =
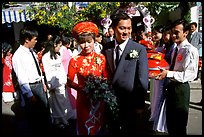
(140, 17)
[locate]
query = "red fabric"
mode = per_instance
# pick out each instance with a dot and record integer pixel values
(148, 44)
(200, 63)
(83, 66)
(155, 60)
(7, 74)
(39, 56)
(82, 27)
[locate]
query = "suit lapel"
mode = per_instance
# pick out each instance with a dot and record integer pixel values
(109, 53)
(110, 59)
(193, 37)
(123, 61)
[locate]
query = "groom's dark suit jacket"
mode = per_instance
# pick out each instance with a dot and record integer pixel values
(130, 78)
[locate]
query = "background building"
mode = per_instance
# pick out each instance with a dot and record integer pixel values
(196, 15)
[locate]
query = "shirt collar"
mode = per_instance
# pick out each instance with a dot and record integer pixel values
(25, 49)
(122, 45)
(193, 32)
(185, 42)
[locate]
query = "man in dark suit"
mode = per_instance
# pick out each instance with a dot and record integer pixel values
(194, 37)
(110, 36)
(129, 76)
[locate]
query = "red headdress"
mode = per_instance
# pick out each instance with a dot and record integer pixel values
(82, 27)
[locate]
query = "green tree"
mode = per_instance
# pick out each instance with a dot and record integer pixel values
(60, 15)
(53, 14)
(158, 8)
(96, 11)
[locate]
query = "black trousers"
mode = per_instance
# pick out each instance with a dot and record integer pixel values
(177, 107)
(133, 116)
(37, 112)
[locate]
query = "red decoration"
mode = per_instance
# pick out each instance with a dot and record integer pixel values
(148, 44)
(200, 63)
(155, 60)
(179, 57)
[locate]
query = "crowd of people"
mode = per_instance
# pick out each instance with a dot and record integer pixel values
(51, 82)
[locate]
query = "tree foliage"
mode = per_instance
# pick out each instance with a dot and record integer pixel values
(157, 8)
(54, 14)
(60, 15)
(96, 11)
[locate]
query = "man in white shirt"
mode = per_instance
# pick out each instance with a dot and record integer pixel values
(178, 89)
(29, 76)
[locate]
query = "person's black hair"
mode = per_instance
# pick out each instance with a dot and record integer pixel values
(99, 34)
(117, 16)
(27, 32)
(110, 27)
(65, 40)
(186, 26)
(49, 46)
(139, 28)
(72, 46)
(158, 28)
(194, 23)
(167, 30)
(5, 48)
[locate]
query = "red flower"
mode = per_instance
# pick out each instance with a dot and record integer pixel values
(179, 57)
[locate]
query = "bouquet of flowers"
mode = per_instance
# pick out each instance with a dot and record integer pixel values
(99, 89)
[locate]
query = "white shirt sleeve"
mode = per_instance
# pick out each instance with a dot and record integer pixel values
(186, 66)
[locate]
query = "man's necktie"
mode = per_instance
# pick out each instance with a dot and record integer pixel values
(174, 60)
(117, 51)
(189, 37)
(36, 63)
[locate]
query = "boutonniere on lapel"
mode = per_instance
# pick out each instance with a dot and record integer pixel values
(98, 60)
(133, 54)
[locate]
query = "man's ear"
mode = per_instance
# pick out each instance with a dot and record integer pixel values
(26, 41)
(186, 33)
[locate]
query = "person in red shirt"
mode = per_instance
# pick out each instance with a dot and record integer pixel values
(8, 86)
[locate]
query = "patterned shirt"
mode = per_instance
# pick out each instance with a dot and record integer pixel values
(84, 65)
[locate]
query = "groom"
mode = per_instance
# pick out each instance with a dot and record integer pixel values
(129, 76)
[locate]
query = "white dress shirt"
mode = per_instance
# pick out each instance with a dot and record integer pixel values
(186, 65)
(24, 66)
(122, 47)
